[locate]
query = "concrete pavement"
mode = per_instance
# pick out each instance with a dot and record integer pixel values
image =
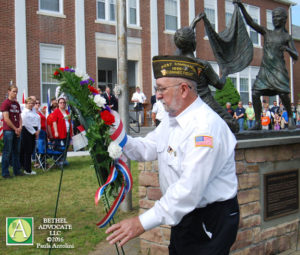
(130, 248)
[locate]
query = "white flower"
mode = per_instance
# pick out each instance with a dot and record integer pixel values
(81, 74)
(85, 77)
(114, 150)
(99, 100)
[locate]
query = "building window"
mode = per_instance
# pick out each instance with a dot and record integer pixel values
(244, 90)
(243, 82)
(229, 9)
(254, 12)
(269, 20)
(51, 5)
(215, 66)
(106, 10)
(51, 58)
(48, 83)
(210, 8)
(105, 79)
(132, 12)
(171, 15)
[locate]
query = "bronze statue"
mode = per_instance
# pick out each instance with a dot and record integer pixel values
(185, 42)
(272, 78)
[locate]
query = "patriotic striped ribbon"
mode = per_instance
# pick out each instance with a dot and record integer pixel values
(112, 176)
(118, 135)
(126, 187)
(113, 208)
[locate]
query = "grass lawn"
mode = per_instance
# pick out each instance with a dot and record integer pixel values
(35, 196)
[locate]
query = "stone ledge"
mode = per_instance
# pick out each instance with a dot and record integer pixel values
(266, 142)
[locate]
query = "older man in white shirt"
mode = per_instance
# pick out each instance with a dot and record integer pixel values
(158, 112)
(195, 152)
(139, 99)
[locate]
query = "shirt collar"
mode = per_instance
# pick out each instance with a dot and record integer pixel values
(183, 118)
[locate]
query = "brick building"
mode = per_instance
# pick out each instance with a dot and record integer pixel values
(38, 36)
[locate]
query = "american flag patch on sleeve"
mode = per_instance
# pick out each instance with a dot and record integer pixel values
(204, 140)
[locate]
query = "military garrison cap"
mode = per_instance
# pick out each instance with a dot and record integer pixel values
(176, 66)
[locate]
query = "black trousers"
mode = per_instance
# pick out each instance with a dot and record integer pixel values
(206, 231)
(27, 148)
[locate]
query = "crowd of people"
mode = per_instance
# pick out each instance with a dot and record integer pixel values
(26, 126)
(29, 127)
(273, 117)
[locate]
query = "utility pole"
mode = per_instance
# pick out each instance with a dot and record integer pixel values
(122, 69)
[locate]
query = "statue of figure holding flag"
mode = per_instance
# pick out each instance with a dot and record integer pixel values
(272, 78)
(227, 51)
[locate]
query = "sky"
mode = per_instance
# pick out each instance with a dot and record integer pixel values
(296, 13)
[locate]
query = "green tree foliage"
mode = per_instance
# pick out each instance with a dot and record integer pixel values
(228, 94)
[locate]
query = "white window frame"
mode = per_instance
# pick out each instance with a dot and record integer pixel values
(229, 8)
(107, 19)
(59, 13)
(137, 2)
(50, 54)
(171, 31)
(212, 4)
(248, 8)
(249, 73)
(216, 68)
(269, 22)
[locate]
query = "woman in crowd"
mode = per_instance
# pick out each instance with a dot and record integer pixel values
(42, 140)
(250, 115)
(30, 131)
(50, 131)
(61, 123)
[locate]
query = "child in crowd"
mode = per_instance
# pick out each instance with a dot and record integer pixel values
(277, 120)
(265, 121)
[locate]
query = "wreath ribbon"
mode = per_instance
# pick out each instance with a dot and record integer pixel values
(119, 136)
(126, 187)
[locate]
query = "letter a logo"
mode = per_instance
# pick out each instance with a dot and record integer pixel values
(19, 231)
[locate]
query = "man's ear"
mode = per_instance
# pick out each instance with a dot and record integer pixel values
(184, 89)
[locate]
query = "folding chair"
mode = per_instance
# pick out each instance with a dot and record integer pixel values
(40, 154)
(49, 154)
(55, 150)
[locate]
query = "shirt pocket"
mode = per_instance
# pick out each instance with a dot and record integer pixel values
(173, 162)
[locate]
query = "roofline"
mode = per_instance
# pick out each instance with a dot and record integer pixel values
(287, 2)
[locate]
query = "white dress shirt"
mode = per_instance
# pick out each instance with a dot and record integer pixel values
(140, 97)
(30, 119)
(159, 110)
(190, 175)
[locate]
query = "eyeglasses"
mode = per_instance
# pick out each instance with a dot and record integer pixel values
(37, 103)
(62, 102)
(162, 90)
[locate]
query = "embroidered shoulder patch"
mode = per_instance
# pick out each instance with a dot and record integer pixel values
(203, 140)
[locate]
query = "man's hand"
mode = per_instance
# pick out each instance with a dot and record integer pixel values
(125, 231)
(18, 131)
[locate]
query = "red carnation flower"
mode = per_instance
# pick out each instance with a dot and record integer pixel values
(93, 89)
(108, 118)
(62, 69)
(56, 73)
